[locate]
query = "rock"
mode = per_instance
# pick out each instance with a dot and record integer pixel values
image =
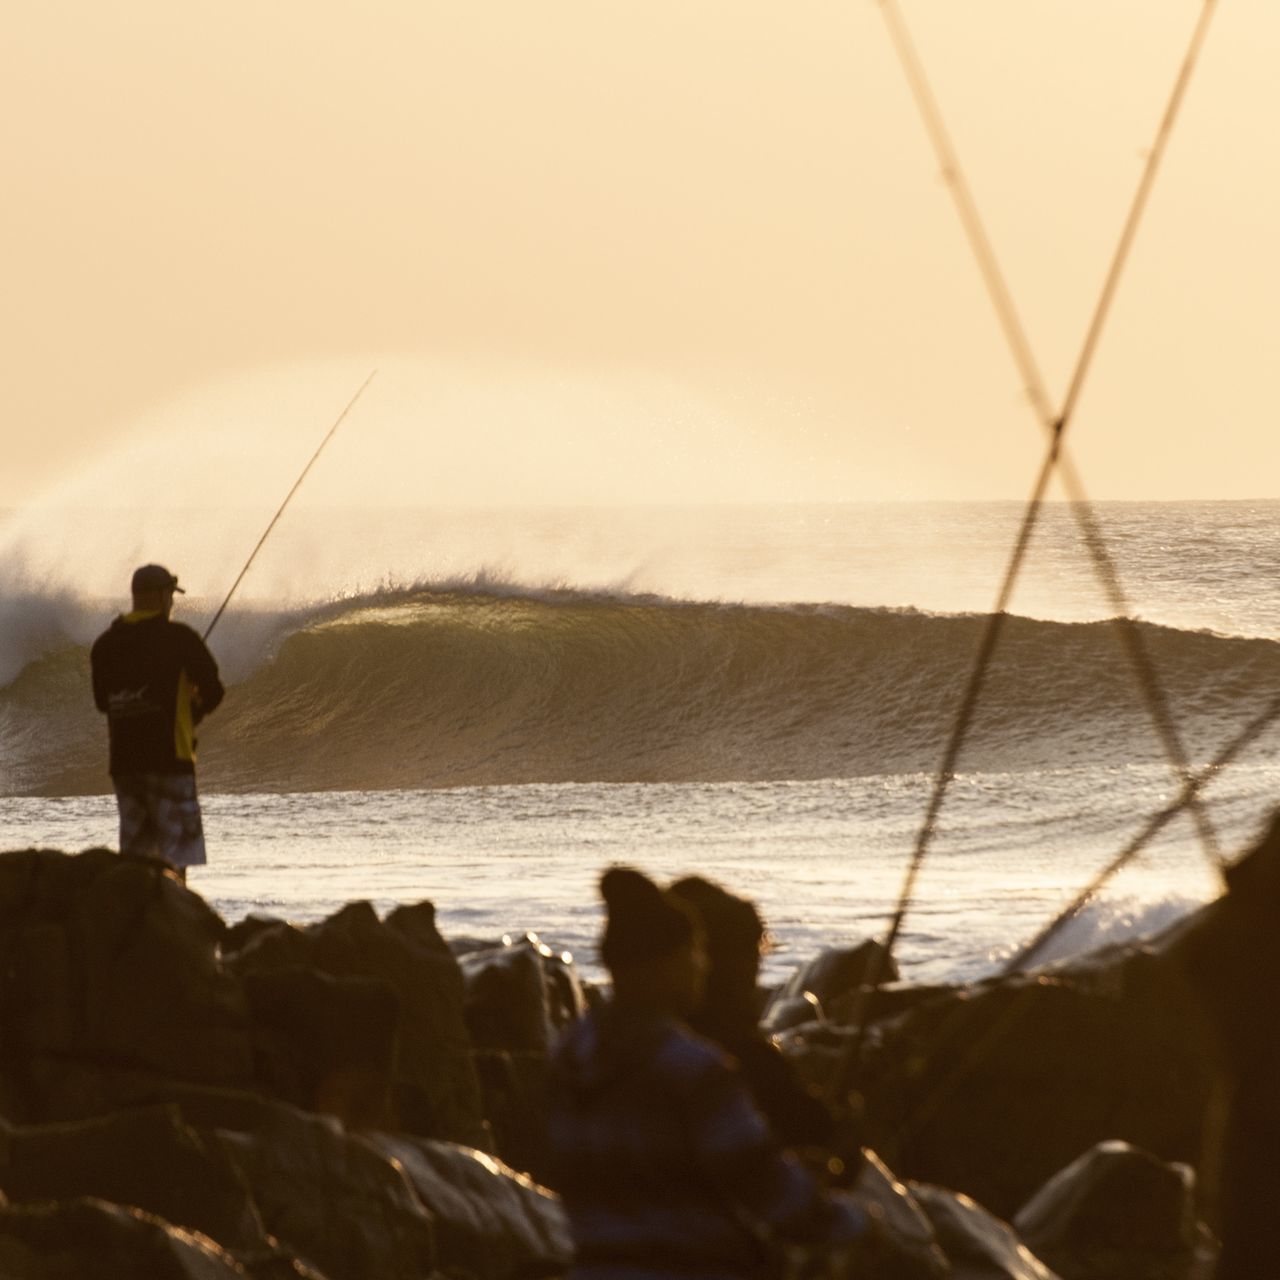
(86, 1239)
(436, 1092)
(148, 1158)
(816, 1050)
(993, 1089)
(238, 936)
(324, 1043)
(490, 1222)
(1116, 1213)
(977, 1244)
(888, 1002)
(837, 971)
(112, 986)
(520, 995)
(783, 1013)
(908, 1249)
(332, 1198)
(515, 1089)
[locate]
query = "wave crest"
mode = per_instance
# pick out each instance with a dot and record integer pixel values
(488, 684)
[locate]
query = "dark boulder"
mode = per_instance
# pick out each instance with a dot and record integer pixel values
(147, 1158)
(905, 1245)
(92, 1240)
(783, 1013)
(520, 995)
(333, 1199)
(435, 1089)
(515, 1087)
(1116, 1213)
(993, 1089)
(836, 972)
(238, 936)
(817, 1051)
(886, 1002)
(324, 1043)
(978, 1245)
(112, 987)
(490, 1222)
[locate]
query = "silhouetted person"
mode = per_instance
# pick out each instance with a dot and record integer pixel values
(155, 680)
(665, 1165)
(729, 1013)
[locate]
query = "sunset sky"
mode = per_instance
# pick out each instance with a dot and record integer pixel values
(605, 250)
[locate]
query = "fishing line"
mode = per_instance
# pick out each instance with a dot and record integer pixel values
(297, 484)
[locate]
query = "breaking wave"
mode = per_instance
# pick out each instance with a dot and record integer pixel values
(466, 685)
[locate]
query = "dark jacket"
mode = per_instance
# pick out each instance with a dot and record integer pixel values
(664, 1163)
(796, 1116)
(155, 680)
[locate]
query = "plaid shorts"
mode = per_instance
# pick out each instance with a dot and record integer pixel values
(160, 817)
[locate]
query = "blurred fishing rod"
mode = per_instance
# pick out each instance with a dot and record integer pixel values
(297, 484)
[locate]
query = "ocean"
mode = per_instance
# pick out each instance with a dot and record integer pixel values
(488, 707)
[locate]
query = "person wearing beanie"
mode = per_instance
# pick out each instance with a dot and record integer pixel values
(664, 1164)
(729, 1015)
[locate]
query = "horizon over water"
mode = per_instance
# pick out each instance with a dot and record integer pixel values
(485, 707)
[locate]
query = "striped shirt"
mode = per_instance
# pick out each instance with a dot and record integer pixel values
(664, 1164)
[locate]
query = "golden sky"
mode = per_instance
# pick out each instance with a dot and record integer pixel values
(622, 251)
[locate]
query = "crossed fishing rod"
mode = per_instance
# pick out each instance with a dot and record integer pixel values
(1192, 783)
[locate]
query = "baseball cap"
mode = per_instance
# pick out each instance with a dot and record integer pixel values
(155, 577)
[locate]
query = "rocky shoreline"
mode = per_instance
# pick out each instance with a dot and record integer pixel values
(355, 1098)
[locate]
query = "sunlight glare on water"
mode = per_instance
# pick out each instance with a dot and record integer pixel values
(824, 860)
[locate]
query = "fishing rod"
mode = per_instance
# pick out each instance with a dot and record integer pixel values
(1056, 423)
(1056, 459)
(297, 484)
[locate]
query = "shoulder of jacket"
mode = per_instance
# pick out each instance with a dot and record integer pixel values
(111, 633)
(186, 633)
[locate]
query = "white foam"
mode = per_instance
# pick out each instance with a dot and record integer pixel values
(1108, 921)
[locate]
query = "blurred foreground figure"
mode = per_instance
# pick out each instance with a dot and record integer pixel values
(156, 681)
(665, 1164)
(729, 1014)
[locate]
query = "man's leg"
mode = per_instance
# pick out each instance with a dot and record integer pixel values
(138, 833)
(178, 822)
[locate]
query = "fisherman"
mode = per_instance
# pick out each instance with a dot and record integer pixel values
(155, 680)
(664, 1164)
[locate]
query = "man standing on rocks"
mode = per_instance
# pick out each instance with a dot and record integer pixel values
(155, 680)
